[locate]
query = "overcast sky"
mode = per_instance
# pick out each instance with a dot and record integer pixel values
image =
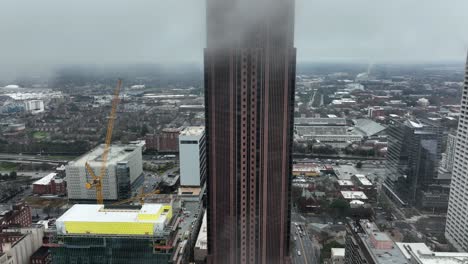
(40, 33)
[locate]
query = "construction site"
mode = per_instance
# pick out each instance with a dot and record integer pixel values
(116, 234)
(119, 218)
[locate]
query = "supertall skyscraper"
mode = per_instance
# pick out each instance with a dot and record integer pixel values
(249, 80)
(456, 229)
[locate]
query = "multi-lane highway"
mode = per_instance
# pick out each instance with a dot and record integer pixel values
(16, 158)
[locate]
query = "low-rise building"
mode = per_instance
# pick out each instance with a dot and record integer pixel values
(306, 169)
(420, 253)
(345, 185)
(354, 195)
(365, 185)
(337, 256)
(50, 184)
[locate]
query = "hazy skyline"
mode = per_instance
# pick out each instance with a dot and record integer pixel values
(40, 34)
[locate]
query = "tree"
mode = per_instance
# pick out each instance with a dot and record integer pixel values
(340, 207)
(359, 165)
(144, 130)
(13, 175)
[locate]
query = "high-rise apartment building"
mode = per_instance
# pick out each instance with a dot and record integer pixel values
(192, 156)
(249, 96)
(456, 229)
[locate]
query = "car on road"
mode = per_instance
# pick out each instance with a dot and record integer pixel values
(298, 252)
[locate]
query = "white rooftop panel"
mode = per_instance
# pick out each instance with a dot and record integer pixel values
(45, 180)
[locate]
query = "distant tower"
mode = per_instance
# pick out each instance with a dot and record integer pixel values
(456, 230)
(249, 80)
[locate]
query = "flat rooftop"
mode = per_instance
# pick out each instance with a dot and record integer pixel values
(354, 195)
(120, 220)
(312, 121)
(305, 167)
(345, 183)
(422, 253)
(363, 180)
(193, 131)
(117, 153)
(99, 213)
(380, 245)
(337, 252)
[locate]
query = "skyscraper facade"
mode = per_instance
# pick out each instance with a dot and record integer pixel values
(456, 230)
(249, 95)
(414, 151)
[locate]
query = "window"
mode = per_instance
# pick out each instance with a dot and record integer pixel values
(188, 142)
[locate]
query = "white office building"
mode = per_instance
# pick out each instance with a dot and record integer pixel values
(34, 106)
(124, 173)
(192, 155)
(456, 230)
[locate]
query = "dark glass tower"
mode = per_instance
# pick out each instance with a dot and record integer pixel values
(249, 95)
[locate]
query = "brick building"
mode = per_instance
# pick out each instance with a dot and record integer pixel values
(50, 184)
(18, 215)
(165, 141)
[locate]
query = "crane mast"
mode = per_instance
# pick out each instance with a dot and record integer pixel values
(97, 180)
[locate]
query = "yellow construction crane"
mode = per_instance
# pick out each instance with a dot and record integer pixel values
(96, 182)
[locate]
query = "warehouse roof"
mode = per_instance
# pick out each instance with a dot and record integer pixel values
(368, 127)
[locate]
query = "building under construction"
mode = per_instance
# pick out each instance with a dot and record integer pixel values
(115, 234)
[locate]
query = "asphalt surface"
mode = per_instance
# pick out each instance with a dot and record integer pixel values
(303, 242)
(29, 158)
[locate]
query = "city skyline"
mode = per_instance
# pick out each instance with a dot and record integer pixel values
(364, 31)
(246, 131)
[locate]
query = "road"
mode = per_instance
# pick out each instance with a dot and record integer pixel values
(29, 158)
(302, 241)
